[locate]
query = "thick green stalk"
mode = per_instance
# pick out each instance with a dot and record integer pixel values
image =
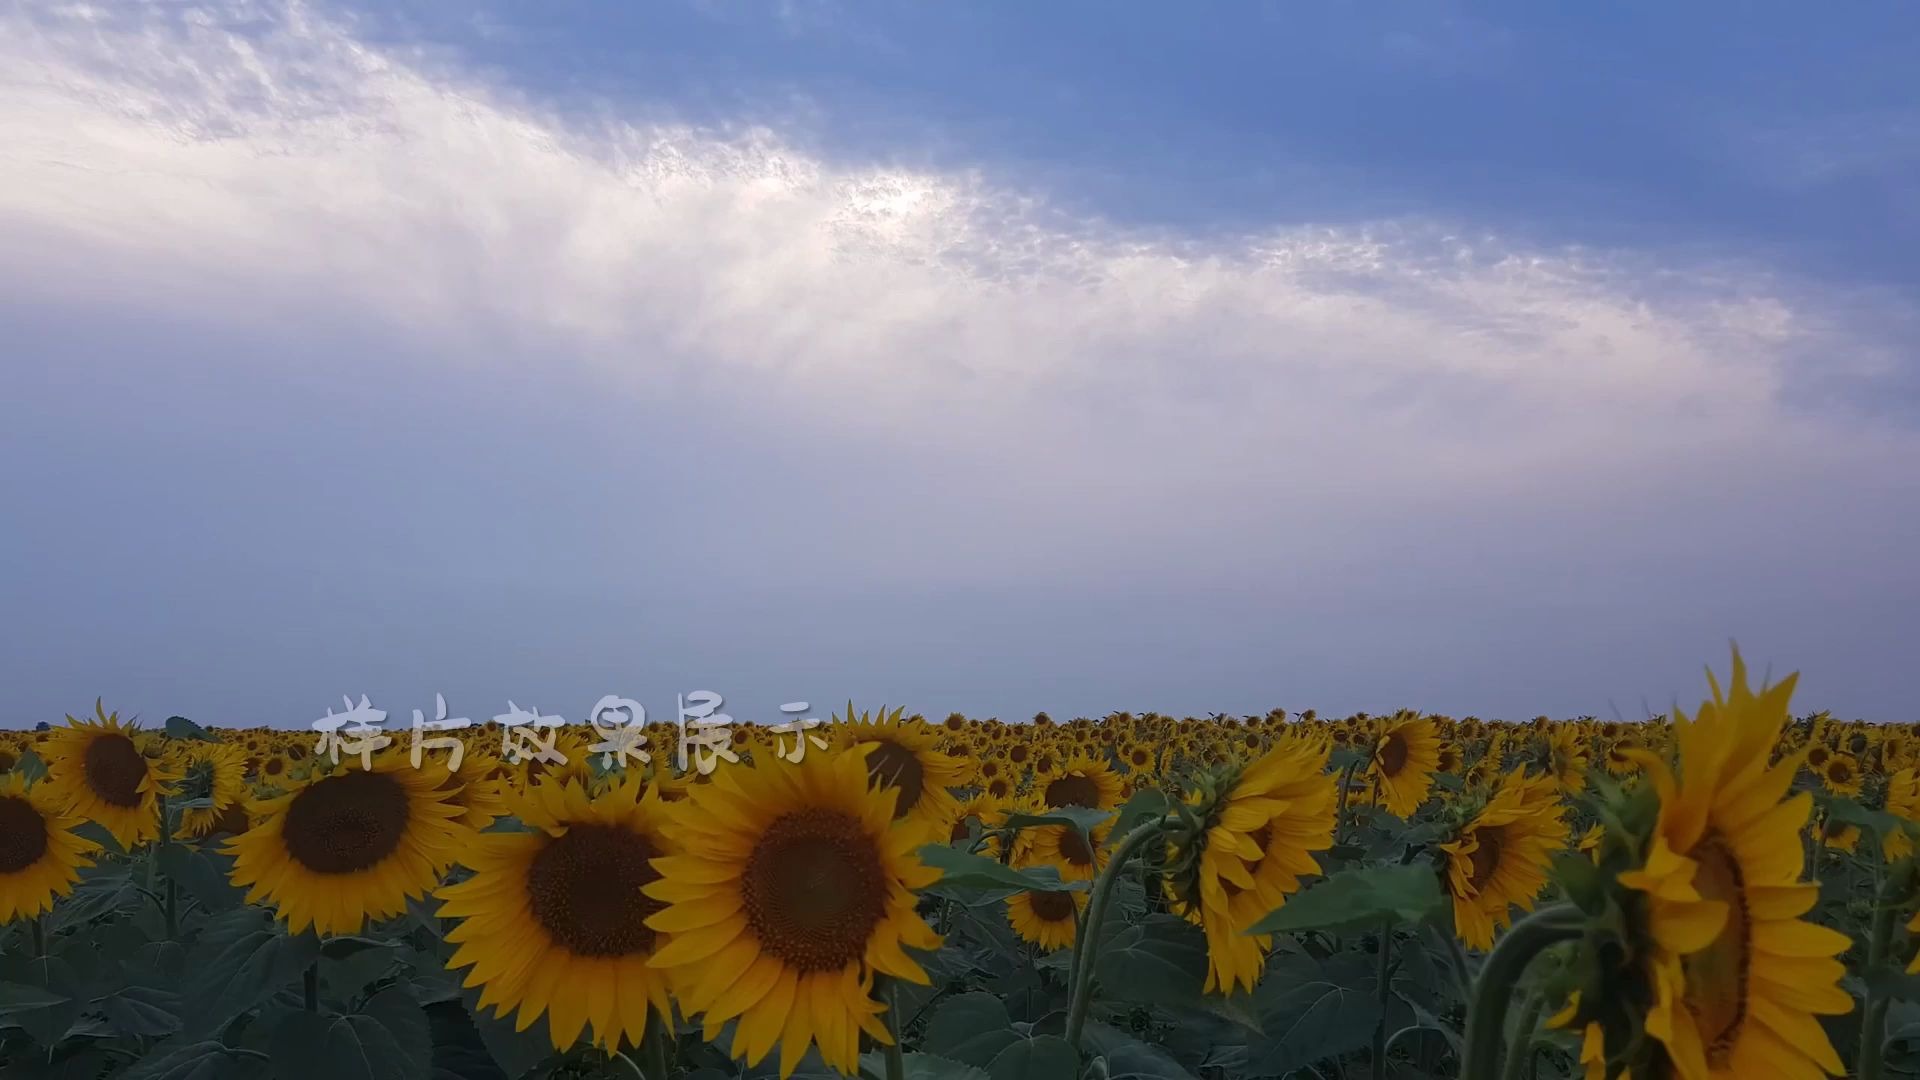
(1385, 991)
(1493, 990)
(1889, 901)
(172, 903)
(659, 1054)
(39, 926)
(896, 1058)
(310, 987)
(1084, 950)
(1521, 1054)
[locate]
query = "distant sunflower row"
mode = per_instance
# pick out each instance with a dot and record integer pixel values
(769, 895)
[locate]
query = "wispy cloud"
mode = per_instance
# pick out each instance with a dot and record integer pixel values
(1073, 400)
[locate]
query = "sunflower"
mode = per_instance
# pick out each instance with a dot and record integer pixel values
(40, 855)
(903, 755)
(1500, 857)
(1062, 847)
(1082, 781)
(213, 773)
(794, 893)
(350, 845)
(96, 771)
(1738, 977)
(989, 811)
(1903, 801)
(476, 788)
(1567, 758)
(1047, 919)
(1259, 827)
(555, 919)
(1841, 775)
(1404, 759)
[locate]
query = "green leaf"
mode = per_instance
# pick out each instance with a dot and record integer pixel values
(1847, 812)
(1359, 898)
(1311, 1012)
(1161, 961)
(20, 997)
(179, 727)
(1128, 1058)
(38, 978)
(922, 1067)
(1341, 759)
(29, 766)
(143, 1011)
(387, 1039)
(972, 1028)
(1145, 803)
(203, 875)
(205, 1060)
(1083, 818)
(1048, 1057)
(516, 1052)
(243, 957)
(980, 878)
(1581, 881)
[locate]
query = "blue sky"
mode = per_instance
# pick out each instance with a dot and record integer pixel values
(1494, 359)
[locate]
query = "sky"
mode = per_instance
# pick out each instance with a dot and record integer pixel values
(1495, 359)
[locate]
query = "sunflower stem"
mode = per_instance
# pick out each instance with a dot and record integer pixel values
(896, 1059)
(1385, 990)
(39, 925)
(1891, 899)
(659, 1052)
(1520, 1057)
(172, 904)
(1340, 811)
(310, 987)
(1088, 946)
(1493, 991)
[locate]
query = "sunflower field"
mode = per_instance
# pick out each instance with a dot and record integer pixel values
(1723, 892)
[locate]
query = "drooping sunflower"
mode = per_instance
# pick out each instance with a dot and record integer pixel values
(1047, 919)
(1259, 828)
(350, 845)
(1404, 759)
(1738, 976)
(213, 774)
(904, 754)
(794, 890)
(40, 855)
(1500, 856)
(555, 920)
(96, 771)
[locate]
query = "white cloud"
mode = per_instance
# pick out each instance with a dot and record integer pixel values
(239, 163)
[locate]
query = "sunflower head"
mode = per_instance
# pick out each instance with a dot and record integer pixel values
(40, 855)
(99, 769)
(903, 756)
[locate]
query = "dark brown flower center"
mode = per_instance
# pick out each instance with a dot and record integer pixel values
(232, 820)
(896, 767)
(585, 890)
(23, 834)
(114, 770)
(1717, 975)
(7, 760)
(1393, 754)
(1485, 857)
(814, 889)
(1052, 906)
(1074, 846)
(273, 766)
(1073, 789)
(346, 822)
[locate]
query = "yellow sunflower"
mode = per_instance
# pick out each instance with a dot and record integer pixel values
(40, 855)
(555, 920)
(794, 891)
(904, 755)
(1567, 758)
(1404, 760)
(1501, 856)
(1082, 781)
(213, 773)
(349, 845)
(1841, 775)
(1738, 976)
(96, 771)
(476, 787)
(1260, 826)
(1903, 801)
(1047, 919)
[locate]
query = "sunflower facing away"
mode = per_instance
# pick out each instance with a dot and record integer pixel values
(794, 891)
(1259, 828)
(96, 771)
(1501, 856)
(1404, 760)
(40, 855)
(350, 845)
(555, 919)
(1739, 978)
(215, 773)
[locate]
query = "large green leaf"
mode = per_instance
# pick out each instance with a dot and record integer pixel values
(25, 997)
(1047, 1057)
(1361, 898)
(1160, 961)
(179, 727)
(242, 958)
(978, 879)
(923, 1067)
(516, 1052)
(145, 1011)
(30, 766)
(1085, 819)
(1311, 1011)
(1127, 1058)
(1145, 803)
(386, 1039)
(972, 1028)
(204, 1060)
(39, 978)
(203, 875)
